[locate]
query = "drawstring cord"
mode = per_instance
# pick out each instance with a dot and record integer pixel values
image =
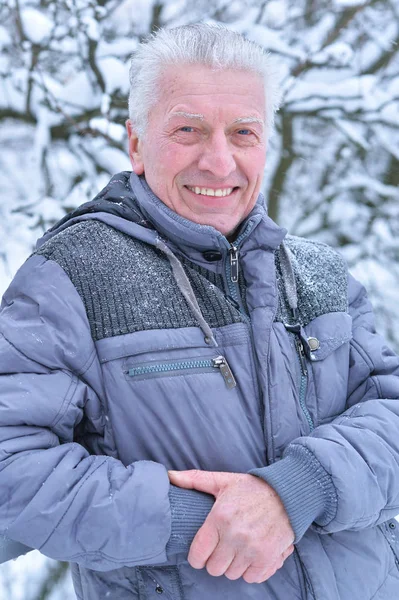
(289, 282)
(186, 289)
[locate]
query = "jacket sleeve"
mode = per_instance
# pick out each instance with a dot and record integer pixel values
(345, 474)
(54, 495)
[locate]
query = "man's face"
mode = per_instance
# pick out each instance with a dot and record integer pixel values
(204, 150)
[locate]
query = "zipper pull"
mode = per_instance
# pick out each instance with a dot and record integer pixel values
(221, 363)
(301, 353)
(234, 263)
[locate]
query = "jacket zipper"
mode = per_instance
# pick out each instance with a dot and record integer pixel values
(232, 275)
(233, 263)
(303, 384)
(232, 282)
(232, 269)
(208, 365)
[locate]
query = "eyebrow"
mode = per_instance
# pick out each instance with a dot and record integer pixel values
(248, 120)
(198, 116)
(187, 115)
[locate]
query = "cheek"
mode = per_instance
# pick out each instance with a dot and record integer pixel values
(254, 167)
(157, 166)
(177, 157)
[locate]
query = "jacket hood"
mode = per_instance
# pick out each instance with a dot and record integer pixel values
(113, 205)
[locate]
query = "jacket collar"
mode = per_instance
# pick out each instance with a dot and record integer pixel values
(187, 235)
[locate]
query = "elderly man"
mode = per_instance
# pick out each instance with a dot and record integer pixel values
(193, 402)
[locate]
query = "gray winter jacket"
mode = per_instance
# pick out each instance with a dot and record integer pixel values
(130, 343)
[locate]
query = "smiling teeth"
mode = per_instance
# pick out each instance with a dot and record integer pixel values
(209, 192)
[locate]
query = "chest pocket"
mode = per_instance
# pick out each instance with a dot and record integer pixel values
(175, 400)
(327, 358)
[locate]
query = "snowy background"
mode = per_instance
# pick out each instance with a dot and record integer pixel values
(333, 165)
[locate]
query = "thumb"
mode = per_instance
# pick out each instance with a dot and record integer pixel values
(203, 481)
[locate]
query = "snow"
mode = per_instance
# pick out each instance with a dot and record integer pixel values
(110, 159)
(275, 14)
(366, 182)
(172, 10)
(352, 91)
(32, 566)
(12, 90)
(92, 28)
(339, 54)
(5, 37)
(116, 132)
(316, 35)
(348, 3)
(76, 92)
(115, 73)
(36, 25)
(271, 41)
(132, 14)
(340, 185)
(42, 132)
(116, 48)
(354, 131)
(387, 141)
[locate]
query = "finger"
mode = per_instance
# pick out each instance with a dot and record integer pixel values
(203, 481)
(261, 574)
(238, 567)
(203, 545)
(288, 552)
(220, 560)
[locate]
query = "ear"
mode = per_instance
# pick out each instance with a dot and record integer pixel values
(135, 153)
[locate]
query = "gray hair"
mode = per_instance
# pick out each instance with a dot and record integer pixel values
(211, 45)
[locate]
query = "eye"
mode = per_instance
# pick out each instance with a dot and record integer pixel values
(187, 129)
(244, 131)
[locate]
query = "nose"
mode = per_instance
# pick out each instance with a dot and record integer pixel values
(217, 156)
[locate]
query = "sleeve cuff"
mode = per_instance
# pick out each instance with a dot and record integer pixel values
(304, 486)
(189, 510)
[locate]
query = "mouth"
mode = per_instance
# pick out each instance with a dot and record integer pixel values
(218, 192)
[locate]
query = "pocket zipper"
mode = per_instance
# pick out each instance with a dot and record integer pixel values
(182, 365)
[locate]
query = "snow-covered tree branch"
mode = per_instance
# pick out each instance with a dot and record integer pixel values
(333, 165)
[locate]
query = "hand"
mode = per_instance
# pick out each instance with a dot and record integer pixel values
(247, 533)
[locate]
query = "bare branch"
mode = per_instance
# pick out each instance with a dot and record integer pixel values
(346, 17)
(92, 44)
(383, 60)
(18, 22)
(156, 16)
(286, 159)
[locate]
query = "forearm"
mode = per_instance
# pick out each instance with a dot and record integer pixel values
(87, 509)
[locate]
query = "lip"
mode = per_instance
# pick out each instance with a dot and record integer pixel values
(210, 187)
